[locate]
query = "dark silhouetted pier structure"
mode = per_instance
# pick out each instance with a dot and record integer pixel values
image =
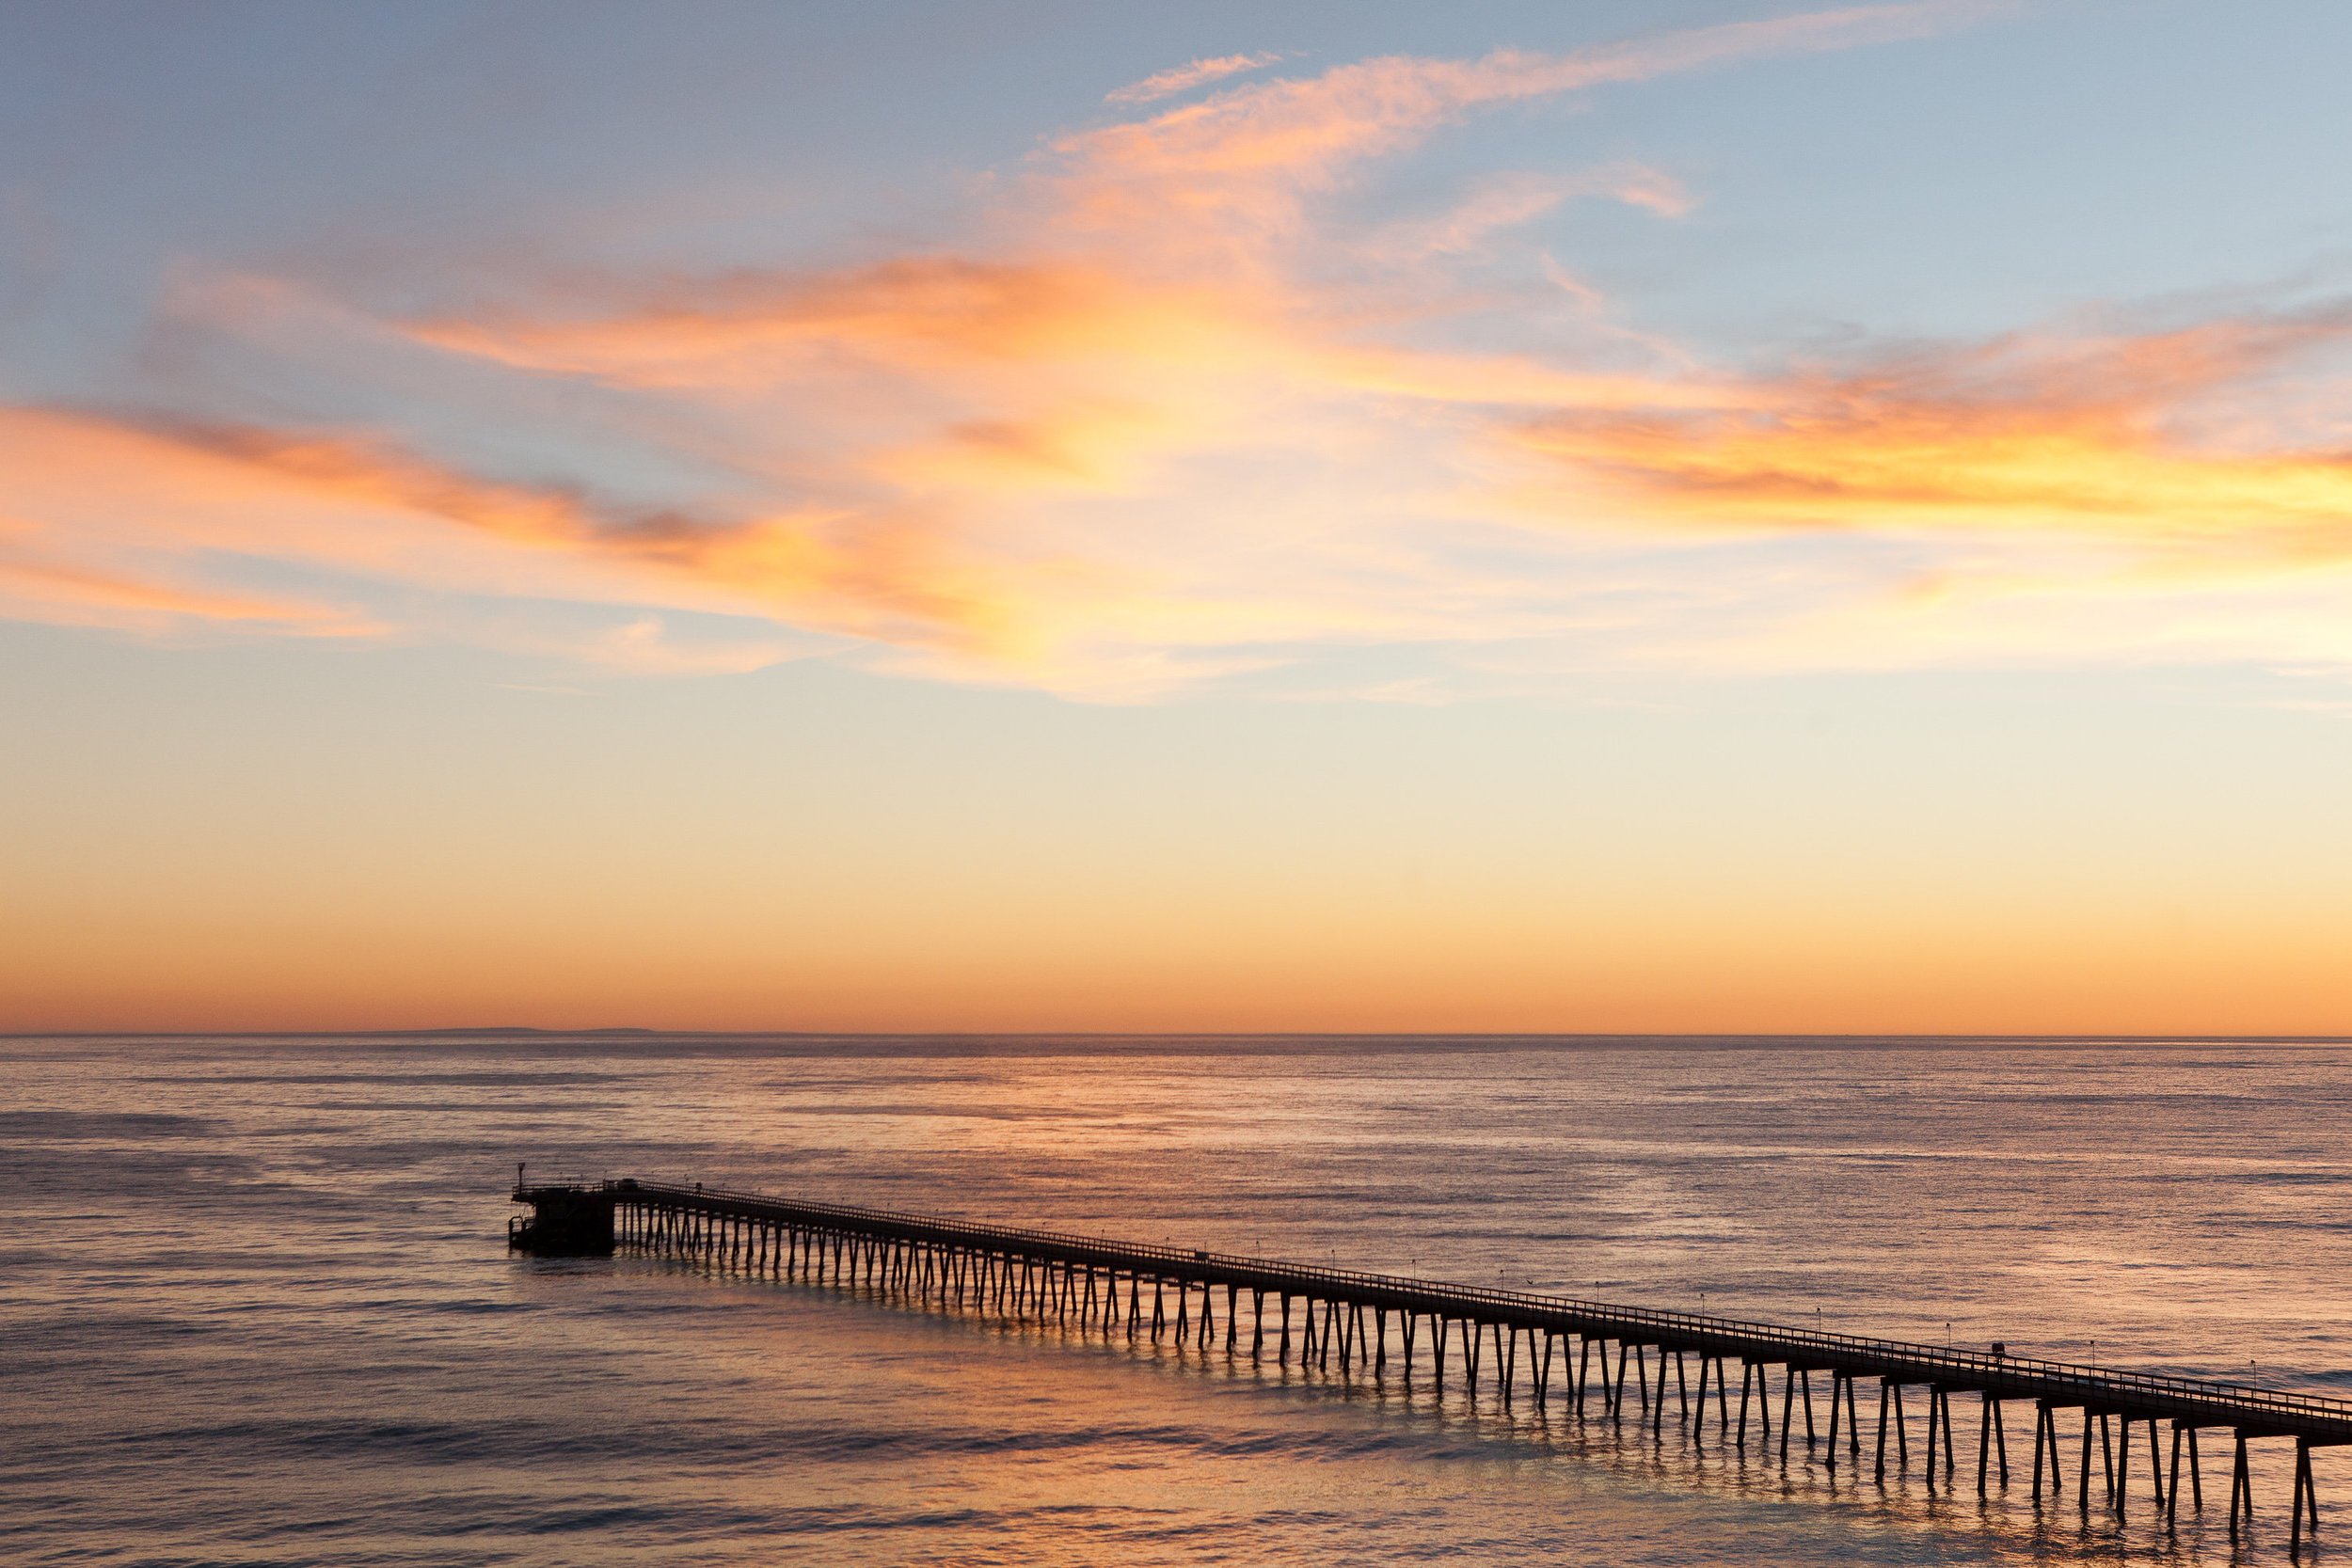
(1615, 1363)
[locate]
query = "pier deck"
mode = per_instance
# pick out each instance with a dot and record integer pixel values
(1504, 1340)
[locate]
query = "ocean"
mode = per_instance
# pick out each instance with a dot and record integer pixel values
(256, 1304)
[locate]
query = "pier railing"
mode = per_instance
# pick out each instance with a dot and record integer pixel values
(2062, 1383)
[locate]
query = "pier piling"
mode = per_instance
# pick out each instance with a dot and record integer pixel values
(1076, 1281)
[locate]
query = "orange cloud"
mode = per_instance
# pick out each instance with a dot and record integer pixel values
(926, 312)
(97, 491)
(2097, 437)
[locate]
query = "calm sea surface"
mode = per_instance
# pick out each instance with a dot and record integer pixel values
(256, 1304)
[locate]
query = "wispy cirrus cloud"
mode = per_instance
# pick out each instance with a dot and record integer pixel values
(32, 588)
(1251, 145)
(1185, 78)
(1169, 411)
(1501, 203)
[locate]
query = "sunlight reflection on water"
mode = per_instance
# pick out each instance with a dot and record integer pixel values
(257, 1308)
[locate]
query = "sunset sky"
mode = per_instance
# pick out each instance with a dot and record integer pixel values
(1620, 517)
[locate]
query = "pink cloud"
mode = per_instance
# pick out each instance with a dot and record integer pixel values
(1184, 78)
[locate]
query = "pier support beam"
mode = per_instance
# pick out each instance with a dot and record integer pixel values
(2241, 1489)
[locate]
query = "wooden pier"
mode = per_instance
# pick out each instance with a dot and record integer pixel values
(1612, 1363)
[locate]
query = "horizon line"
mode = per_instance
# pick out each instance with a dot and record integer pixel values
(1691, 1036)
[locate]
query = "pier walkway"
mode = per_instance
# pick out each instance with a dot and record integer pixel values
(1518, 1345)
